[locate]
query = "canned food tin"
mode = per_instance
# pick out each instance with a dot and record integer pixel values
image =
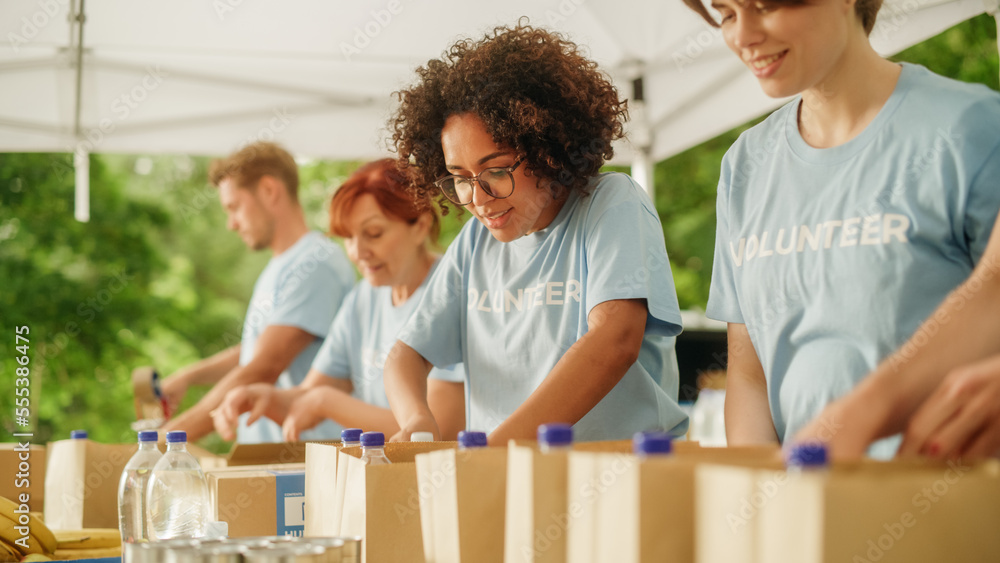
(300, 553)
(223, 553)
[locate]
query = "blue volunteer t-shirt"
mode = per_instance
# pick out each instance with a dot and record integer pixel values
(834, 257)
(302, 287)
(363, 334)
(510, 311)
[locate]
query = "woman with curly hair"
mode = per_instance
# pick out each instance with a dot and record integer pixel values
(558, 298)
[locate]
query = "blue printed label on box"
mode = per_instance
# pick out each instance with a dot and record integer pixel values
(290, 501)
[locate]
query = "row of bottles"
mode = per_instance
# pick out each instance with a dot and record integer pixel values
(162, 496)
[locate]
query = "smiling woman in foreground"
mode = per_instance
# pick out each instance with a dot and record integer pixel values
(558, 297)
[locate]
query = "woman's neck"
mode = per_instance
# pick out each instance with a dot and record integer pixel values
(414, 277)
(841, 106)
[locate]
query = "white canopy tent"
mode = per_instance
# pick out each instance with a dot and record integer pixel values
(198, 77)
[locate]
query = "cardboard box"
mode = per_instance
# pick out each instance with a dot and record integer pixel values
(381, 502)
(24, 473)
(259, 500)
(265, 454)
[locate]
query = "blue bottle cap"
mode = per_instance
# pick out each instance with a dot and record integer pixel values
(372, 440)
(472, 439)
(175, 436)
(78, 435)
(148, 436)
(557, 434)
(350, 434)
(809, 454)
(652, 443)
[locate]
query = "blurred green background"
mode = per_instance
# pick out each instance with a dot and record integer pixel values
(156, 279)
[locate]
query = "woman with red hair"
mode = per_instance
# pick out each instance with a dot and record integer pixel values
(389, 237)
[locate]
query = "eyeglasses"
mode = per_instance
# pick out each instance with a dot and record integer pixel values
(498, 182)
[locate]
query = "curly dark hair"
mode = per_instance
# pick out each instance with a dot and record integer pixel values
(536, 94)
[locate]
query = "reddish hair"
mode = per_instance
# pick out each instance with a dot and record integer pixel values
(383, 181)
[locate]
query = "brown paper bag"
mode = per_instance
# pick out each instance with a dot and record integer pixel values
(646, 507)
(462, 504)
(322, 513)
(381, 502)
(81, 483)
(543, 510)
(886, 512)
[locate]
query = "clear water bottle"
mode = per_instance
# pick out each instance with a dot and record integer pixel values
(350, 437)
(177, 497)
(132, 489)
(78, 435)
(652, 444)
(708, 418)
(468, 439)
(373, 449)
(555, 437)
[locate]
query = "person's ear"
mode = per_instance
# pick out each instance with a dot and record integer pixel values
(270, 190)
(423, 225)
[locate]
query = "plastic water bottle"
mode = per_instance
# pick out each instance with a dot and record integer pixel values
(652, 444)
(708, 418)
(809, 456)
(78, 435)
(177, 498)
(555, 437)
(132, 489)
(350, 437)
(469, 439)
(373, 449)
(422, 437)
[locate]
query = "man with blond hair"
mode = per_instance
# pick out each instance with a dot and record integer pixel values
(294, 299)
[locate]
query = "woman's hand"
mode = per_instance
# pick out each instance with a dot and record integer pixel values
(961, 418)
(259, 399)
(307, 411)
(421, 423)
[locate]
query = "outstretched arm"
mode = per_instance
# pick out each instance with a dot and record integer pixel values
(610, 346)
(274, 351)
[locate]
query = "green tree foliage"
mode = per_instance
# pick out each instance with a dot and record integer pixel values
(156, 279)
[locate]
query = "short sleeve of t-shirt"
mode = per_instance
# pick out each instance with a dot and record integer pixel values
(333, 358)
(312, 286)
(723, 304)
(435, 328)
(984, 191)
(626, 254)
